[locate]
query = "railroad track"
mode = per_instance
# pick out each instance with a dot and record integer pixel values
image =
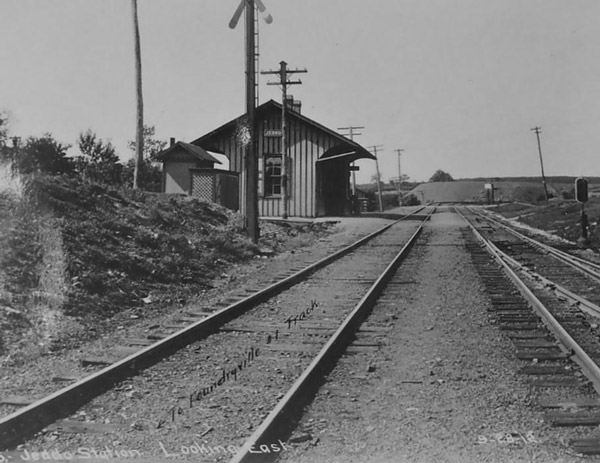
(227, 325)
(554, 340)
(554, 329)
(553, 366)
(586, 266)
(570, 276)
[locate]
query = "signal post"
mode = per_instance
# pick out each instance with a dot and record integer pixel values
(581, 194)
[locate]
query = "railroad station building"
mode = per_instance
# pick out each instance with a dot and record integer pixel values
(318, 169)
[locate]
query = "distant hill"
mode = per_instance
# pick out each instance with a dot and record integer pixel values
(556, 179)
(525, 189)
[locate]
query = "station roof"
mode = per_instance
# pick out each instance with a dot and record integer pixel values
(346, 148)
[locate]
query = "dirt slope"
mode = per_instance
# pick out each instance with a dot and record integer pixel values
(558, 217)
(73, 255)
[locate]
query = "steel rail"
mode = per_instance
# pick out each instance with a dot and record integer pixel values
(585, 305)
(16, 427)
(278, 424)
(590, 368)
(589, 268)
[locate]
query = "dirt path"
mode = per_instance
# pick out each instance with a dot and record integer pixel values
(443, 388)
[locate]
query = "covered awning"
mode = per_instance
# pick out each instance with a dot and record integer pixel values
(347, 152)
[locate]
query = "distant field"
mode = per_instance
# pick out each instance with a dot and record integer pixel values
(473, 191)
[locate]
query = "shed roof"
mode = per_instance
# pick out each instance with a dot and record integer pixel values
(195, 150)
(346, 146)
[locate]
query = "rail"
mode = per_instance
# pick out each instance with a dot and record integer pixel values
(277, 424)
(590, 368)
(16, 427)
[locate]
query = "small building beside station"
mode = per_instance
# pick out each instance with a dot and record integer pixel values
(189, 169)
(318, 169)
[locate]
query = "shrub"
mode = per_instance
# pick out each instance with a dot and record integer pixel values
(410, 200)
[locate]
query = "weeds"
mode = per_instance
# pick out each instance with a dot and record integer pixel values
(75, 254)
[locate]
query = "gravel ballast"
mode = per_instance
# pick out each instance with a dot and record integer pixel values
(444, 385)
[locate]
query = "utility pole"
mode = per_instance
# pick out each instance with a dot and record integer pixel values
(284, 82)
(399, 151)
(139, 133)
(537, 131)
(375, 148)
(251, 148)
(351, 132)
(251, 158)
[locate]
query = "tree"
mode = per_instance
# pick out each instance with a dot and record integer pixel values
(99, 161)
(149, 174)
(394, 180)
(3, 129)
(5, 150)
(152, 145)
(441, 176)
(139, 136)
(42, 154)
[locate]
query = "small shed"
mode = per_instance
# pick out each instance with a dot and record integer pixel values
(178, 160)
(189, 169)
(318, 163)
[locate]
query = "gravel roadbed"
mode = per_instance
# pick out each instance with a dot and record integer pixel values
(164, 411)
(34, 380)
(444, 385)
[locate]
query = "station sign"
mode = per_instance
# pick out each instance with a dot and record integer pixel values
(272, 133)
(354, 168)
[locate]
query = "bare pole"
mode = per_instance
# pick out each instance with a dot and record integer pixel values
(139, 134)
(351, 132)
(284, 82)
(537, 131)
(251, 147)
(256, 59)
(399, 151)
(375, 148)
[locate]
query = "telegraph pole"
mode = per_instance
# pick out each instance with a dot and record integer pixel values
(139, 133)
(399, 151)
(284, 82)
(375, 148)
(537, 131)
(351, 132)
(250, 161)
(251, 158)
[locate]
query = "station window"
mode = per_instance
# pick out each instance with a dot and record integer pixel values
(272, 175)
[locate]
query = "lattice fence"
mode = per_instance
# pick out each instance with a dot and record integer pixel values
(203, 185)
(218, 186)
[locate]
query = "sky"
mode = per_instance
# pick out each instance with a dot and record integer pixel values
(456, 84)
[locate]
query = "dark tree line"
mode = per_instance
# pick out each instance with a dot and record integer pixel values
(97, 162)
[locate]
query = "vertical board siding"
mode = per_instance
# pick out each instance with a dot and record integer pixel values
(306, 145)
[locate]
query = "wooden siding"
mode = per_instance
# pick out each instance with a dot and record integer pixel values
(306, 144)
(177, 177)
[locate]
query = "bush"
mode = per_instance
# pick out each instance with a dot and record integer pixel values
(390, 201)
(43, 154)
(99, 161)
(568, 194)
(410, 200)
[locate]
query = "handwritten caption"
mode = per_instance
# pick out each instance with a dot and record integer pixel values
(231, 373)
(508, 438)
